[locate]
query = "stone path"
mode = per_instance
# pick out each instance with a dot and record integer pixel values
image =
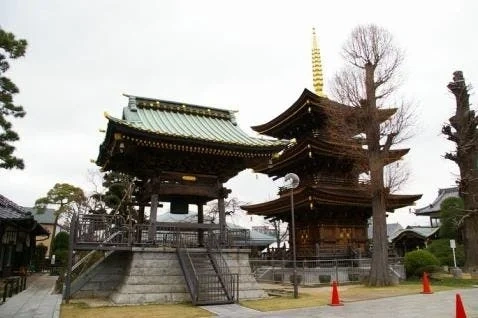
(37, 301)
(437, 305)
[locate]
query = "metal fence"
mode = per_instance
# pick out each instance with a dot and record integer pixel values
(319, 272)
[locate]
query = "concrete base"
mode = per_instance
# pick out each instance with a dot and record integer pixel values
(456, 272)
(154, 275)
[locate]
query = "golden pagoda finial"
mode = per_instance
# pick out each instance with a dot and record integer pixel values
(317, 76)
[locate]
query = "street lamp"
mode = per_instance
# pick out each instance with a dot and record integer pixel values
(292, 181)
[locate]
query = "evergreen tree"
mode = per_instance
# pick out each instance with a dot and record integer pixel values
(10, 48)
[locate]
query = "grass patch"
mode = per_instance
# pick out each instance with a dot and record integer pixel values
(82, 310)
(313, 297)
(446, 281)
(285, 302)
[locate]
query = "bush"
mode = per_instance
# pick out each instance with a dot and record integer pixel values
(418, 259)
(60, 242)
(429, 269)
(324, 279)
(61, 257)
(442, 250)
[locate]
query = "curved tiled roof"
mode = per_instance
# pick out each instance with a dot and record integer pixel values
(423, 232)
(11, 211)
(443, 194)
(186, 121)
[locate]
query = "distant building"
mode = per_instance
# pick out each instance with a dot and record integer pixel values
(392, 228)
(433, 210)
(413, 237)
(47, 221)
(264, 229)
(18, 230)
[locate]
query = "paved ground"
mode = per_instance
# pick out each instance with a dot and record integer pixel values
(37, 301)
(440, 304)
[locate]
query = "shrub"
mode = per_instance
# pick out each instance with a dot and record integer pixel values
(430, 269)
(442, 250)
(61, 257)
(60, 242)
(418, 259)
(324, 279)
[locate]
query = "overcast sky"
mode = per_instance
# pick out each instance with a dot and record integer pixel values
(251, 56)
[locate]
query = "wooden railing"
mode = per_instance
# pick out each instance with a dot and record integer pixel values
(112, 232)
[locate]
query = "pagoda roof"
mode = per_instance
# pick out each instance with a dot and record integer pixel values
(316, 146)
(357, 196)
(312, 107)
(176, 126)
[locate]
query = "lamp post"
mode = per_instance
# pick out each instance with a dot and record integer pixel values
(292, 181)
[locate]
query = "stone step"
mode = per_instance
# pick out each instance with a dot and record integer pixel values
(154, 279)
(142, 298)
(153, 288)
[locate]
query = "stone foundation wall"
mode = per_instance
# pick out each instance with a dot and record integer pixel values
(106, 277)
(154, 275)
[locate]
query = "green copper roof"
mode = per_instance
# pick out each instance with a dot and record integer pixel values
(187, 121)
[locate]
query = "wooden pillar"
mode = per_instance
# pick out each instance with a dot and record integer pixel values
(222, 219)
(152, 217)
(139, 230)
(141, 214)
(200, 221)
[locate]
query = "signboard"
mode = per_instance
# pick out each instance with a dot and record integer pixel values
(452, 244)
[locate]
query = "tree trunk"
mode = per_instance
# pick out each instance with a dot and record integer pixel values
(379, 275)
(55, 224)
(466, 139)
(379, 267)
(471, 244)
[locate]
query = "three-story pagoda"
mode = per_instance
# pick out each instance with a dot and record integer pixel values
(332, 204)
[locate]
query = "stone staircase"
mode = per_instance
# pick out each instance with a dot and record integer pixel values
(211, 289)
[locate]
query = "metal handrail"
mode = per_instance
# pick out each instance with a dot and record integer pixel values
(221, 267)
(188, 269)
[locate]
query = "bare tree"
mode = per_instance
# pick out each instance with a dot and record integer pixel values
(232, 206)
(462, 130)
(368, 83)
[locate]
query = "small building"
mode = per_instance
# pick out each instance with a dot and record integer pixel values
(412, 238)
(433, 210)
(47, 221)
(18, 232)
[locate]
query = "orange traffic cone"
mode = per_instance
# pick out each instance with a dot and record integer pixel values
(460, 310)
(335, 295)
(426, 284)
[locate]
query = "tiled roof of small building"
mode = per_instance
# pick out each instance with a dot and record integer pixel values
(11, 211)
(443, 194)
(421, 231)
(47, 217)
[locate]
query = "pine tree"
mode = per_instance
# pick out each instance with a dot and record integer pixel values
(10, 48)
